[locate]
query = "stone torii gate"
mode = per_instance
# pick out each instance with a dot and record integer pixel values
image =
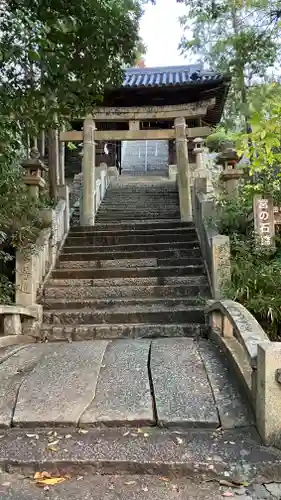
(133, 116)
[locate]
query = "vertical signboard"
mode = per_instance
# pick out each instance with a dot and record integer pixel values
(264, 221)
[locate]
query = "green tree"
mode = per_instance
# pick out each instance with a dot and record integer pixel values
(235, 36)
(56, 58)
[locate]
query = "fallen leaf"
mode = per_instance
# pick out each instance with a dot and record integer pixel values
(224, 482)
(52, 448)
(139, 431)
(50, 433)
(126, 433)
(166, 479)
(51, 481)
(179, 440)
(144, 488)
(83, 431)
(32, 436)
(41, 475)
(53, 443)
(228, 494)
(79, 478)
(146, 435)
(68, 436)
(128, 483)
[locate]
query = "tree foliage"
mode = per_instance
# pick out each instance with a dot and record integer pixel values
(240, 37)
(56, 58)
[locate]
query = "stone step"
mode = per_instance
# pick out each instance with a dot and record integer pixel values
(81, 332)
(128, 263)
(102, 219)
(113, 304)
(99, 240)
(149, 313)
(77, 292)
(141, 254)
(127, 281)
(169, 224)
(175, 245)
(94, 231)
(143, 272)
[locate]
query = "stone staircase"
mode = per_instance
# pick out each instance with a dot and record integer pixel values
(145, 158)
(137, 273)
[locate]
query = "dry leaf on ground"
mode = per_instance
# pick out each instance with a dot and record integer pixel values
(163, 478)
(52, 448)
(128, 483)
(228, 494)
(45, 479)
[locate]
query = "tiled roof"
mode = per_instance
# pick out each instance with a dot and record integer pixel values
(168, 76)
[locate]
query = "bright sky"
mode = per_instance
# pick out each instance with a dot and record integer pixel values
(161, 33)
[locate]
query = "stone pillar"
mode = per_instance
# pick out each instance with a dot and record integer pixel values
(183, 170)
(25, 279)
(88, 168)
(268, 392)
(64, 194)
(62, 162)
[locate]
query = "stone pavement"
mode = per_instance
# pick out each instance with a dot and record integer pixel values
(166, 382)
(97, 487)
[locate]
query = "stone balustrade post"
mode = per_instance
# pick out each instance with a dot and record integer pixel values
(63, 192)
(26, 286)
(183, 170)
(267, 397)
(88, 168)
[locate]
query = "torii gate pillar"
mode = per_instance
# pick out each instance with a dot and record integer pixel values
(88, 167)
(183, 170)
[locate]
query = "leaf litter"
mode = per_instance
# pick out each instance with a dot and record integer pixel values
(45, 479)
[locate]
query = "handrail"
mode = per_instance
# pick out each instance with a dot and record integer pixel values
(21, 310)
(241, 324)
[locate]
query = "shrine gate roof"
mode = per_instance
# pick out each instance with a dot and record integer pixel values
(169, 76)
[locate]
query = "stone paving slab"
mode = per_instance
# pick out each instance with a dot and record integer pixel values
(14, 368)
(182, 391)
(234, 410)
(123, 394)
(61, 386)
(232, 455)
(128, 487)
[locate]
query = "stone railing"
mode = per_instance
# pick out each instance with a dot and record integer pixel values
(19, 325)
(215, 247)
(33, 269)
(256, 361)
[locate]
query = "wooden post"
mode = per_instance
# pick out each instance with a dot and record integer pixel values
(264, 221)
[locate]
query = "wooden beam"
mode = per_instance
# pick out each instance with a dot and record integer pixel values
(134, 135)
(153, 112)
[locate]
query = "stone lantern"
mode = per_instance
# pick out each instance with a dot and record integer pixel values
(33, 170)
(201, 170)
(230, 175)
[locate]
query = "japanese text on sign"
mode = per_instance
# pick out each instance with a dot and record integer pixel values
(263, 222)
